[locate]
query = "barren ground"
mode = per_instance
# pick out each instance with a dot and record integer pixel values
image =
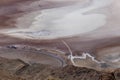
(29, 55)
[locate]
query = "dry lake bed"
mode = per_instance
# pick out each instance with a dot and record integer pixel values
(64, 34)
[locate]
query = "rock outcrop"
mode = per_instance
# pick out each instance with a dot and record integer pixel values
(18, 70)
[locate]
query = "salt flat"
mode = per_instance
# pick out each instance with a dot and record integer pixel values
(89, 26)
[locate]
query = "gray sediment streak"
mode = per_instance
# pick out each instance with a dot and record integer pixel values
(31, 55)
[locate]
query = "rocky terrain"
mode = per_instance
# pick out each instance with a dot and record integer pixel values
(18, 70)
